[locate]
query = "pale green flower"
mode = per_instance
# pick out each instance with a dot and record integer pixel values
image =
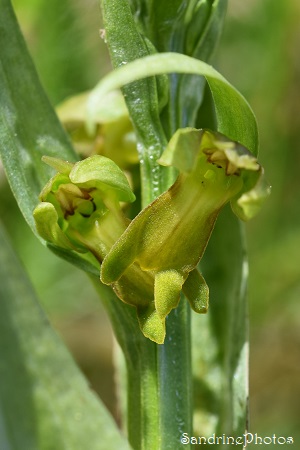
(169, 237)
(150, 260)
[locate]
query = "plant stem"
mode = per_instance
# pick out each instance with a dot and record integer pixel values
(143, 409)
(159, 387)
(159, 376)
(175, 379)
(164, 400)
(143, 399)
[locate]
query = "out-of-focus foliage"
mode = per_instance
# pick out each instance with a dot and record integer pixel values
(259, 55)
(64, 38)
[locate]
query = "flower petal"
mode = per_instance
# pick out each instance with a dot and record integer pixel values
(102, 173)
(197, 292)
(46, 220)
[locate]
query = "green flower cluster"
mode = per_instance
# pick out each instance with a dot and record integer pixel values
(151, 259)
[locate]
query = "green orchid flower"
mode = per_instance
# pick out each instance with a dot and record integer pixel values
(169, 237)
(113, 135)
(150, 260)
(80, 207)
(80, 211)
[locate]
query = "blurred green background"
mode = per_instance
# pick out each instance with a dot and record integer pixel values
(259, 54)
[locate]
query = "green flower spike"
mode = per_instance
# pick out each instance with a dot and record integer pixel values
(169, 237)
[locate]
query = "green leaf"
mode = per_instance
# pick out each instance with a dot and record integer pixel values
(220, 337)
(29, 127)
(160, 21)
(205, 25)
(234, 116)
(192, 28)
(45, 401)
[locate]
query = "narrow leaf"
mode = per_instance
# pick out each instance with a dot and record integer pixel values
(45, 401)
(29, 127)
(220, 338)
(234, 116)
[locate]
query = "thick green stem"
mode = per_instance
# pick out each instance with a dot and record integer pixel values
(159, 376)
(165, 388)
(143, 406)
(159, 388)
(175, 379)
(143, 399)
